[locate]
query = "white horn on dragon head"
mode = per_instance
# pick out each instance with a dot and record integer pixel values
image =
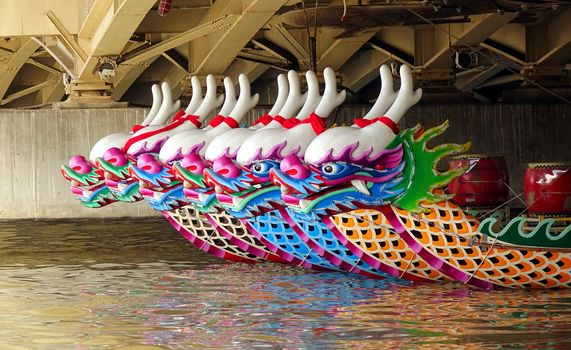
(245, 101)
(228, 143)
(294, 99)
(313, 97)
(157, 99)
(210, 100)
(229, 97)
(366, 143)
(406, 98)
(196, 99)
(168, 107)
(283, 92)
(331, 98)
(387, 95)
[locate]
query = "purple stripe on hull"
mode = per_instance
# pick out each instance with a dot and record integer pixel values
(369, 259)
(433, 260)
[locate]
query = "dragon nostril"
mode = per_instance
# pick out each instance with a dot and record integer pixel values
(113, 161)
(147, 167)
(226, 167)
(292, 172)
(292, 166)
(193, 167)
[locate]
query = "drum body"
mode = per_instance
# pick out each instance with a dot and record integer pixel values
(483, 184)
(547, 188)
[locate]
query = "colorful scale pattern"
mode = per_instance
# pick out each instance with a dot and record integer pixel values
(369, 231)
(190, 222)
(454, 241)
(316, 234)
(236, 232)
(273, 228)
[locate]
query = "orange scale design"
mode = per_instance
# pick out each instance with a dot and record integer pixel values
(381, 243)
(506, 266)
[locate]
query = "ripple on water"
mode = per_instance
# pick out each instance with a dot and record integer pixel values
(103, 285)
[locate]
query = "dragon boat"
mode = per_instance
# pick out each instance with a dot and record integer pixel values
(113, 157)
(400, 219)
(366, 198)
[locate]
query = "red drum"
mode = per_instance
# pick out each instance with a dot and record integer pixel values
(485, 182)
(547, 188)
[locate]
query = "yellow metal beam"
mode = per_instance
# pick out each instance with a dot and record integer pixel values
(115, 27)
(59, 52)
(215, 52)
(44, 67)
(252, 69)
(26, 91)
(66, 36)
(11, 67)
(362, 68)
(469, 34)
(342, 49)
(51, 93)
(179, 39)
(93, 20)
(126, 76)
(24, 18)
(558, 37)
(284, 38)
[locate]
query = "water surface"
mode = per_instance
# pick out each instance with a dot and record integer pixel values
(137, 284)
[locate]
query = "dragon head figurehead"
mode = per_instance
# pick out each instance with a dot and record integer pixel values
(189, 164)
(244, 184)
(104, 179)
(369, 163)
(114, 165)
(156, 174)
(87, 182)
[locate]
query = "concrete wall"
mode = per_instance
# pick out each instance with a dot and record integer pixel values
(33, 145)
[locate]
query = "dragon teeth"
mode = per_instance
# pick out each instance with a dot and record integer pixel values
(361, 186)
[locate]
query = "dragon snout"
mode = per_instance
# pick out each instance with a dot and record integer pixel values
(149, 164)
(293, 166)
(115, 157)
(194, 163)
(81, 165)
(225, 166)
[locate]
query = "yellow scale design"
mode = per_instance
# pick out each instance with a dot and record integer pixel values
(371, 231)
(451, 235)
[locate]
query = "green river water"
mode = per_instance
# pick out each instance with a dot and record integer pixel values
(137, 284)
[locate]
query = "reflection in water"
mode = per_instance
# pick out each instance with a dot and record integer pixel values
(135, 284)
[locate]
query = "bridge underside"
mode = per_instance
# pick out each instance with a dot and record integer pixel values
(98, 52)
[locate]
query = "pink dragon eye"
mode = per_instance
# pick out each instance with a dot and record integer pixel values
(293, 166)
